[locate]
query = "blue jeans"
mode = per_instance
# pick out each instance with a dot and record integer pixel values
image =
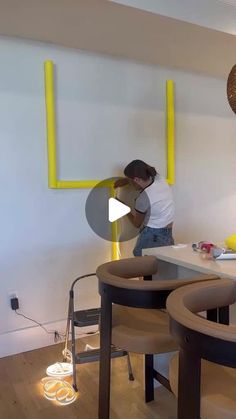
(153, 237)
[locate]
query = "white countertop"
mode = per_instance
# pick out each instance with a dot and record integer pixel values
(186, 257)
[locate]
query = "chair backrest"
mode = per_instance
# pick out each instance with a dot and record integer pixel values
(116, 280)
(117, 272)
(213, 341)
(185, 303)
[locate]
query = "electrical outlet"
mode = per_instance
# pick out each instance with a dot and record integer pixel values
(14, 303)
(12, 295)
(13, 300)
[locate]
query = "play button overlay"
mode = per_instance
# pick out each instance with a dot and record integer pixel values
(117, 210)
(104, 211)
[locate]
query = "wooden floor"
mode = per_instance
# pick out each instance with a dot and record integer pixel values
(21, 395)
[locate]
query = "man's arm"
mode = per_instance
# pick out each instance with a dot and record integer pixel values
(136, 219)
(121, 182)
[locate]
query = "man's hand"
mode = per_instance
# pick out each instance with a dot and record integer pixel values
(121, 182)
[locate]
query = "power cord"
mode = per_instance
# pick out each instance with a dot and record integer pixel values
(58, 336)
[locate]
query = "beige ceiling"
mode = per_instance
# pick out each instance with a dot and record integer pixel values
(214, 14)
(110, 28)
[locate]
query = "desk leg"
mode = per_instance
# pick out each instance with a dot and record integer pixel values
(105, 356)
(224, 315)
(220, 315)
(212, 315)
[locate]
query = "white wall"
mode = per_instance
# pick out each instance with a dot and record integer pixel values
(109, 112)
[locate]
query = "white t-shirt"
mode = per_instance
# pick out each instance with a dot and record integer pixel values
(156, 200)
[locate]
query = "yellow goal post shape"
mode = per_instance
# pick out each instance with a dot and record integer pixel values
(55, 183)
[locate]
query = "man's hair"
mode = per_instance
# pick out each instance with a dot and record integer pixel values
(140, 169)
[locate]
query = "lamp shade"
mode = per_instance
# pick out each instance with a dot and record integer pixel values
(231, 88)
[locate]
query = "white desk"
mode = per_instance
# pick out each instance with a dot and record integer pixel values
(181, 262)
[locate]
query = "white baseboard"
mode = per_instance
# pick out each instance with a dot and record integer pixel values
(35, 337)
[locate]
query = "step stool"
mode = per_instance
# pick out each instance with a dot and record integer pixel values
(83, 318)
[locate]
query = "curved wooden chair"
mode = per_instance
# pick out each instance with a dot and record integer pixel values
(203, 374)
(130, 318)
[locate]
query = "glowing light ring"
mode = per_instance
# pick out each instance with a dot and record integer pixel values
(60, 369)
(59, 390)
